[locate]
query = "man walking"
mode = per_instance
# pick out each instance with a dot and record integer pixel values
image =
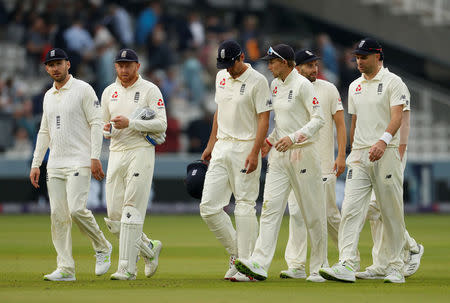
(71, 126)
(239, 128)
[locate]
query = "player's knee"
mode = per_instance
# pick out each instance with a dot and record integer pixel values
(131, 215)
(206, 210)
(59, 218)
(244, 208)
(113, 226)
(78, 213)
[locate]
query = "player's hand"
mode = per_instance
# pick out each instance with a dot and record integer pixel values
(107, 130)
(206, 155)
(34, 176)
(301, 138)
(402, 150)
(339, 165)
(120, 122)
(96, 169)
(265, 149)
(251, 163)
(377, 151)
(283, 144)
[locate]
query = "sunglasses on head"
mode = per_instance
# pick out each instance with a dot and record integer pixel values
(271, 52)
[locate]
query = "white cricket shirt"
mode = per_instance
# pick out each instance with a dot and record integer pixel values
(330, 102)
(371, 101)
(239, 103)
(120, 101)
(296, 108)
(71, 126)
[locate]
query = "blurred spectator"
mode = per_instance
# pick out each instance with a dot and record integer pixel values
(105, 50)
(192, 72)
(15, 31)
(197, 30)
(146, 22)
(79, 44)
(198, 132)
(26, 120)
(22, 145)
(36, 43)
(160, 55)
(329, 57)
(119, 21)
(349, 71)
(169, 86)
(250, 40)
(172, 144)
(38, 101)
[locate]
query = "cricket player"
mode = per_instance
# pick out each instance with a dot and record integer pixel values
(135, 118)
(412, 251)
(376, 101)
(71, 127)
(240, 125)
(333, 113)
(293, 165)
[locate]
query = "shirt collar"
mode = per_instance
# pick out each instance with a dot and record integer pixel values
(131, 86)
(291, 76)
(66, 86)
(244, 75)
(378, 76)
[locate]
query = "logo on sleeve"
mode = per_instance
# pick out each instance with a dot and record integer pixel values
(160, 103)
(380, 88)
(358, 89)
(136, 97)
(269, 103)
(114, 96)
(222, 83)
(339, 100)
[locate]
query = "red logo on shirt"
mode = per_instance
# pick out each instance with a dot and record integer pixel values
(339, 100)
(358, 88)
(275, 90)
(222, 82)
(315, 101)
(115, 95)
(160, 103)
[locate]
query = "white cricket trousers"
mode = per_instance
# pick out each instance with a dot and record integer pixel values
(298, 169)
(379, 258)
(386, 179)
(225, 176)
(68, 190)
(297, 246)
(128, 183)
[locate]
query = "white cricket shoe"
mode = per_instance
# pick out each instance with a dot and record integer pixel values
(251, 269)
(59, 275)
(293, 273)
(338, 272)
(315, 277)
(413, 263)
(368, 275)
(231, 270)
(394, 276)
(151, 264)
(242, 278)
(122, 275)
(103, 261)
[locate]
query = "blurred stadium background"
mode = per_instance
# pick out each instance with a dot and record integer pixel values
(177, 42)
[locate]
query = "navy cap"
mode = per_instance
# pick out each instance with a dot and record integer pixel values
(280, 51)
(55, 54)
(368, 46)
(304, 56)
(228, 52)
(195, 179)
(126, 55)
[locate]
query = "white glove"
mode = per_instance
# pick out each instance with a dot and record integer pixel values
(146, 113)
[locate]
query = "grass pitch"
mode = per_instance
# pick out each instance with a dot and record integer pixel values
(192, 265)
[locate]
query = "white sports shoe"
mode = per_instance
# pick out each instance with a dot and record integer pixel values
(151, 264)
(103, 261)
(242, 278)
(338, 272)
(413, 263)
(293, 273)
(368, 275)
(59, 275)
(251, 269)
(394, 276)
(122, 275)
(315, 277)
(231, 270)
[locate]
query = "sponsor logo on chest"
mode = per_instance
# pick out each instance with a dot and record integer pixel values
(115, 96)
(275, 91)
(358, 89)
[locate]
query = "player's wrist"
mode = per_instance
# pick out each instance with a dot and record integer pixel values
(268, 142)
(386, 138)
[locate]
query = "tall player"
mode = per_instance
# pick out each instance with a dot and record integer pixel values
(240, 125)
(131, 161)
(333, 113)
(412, 251)
(376, 104)
(71, 126)
(294, 164)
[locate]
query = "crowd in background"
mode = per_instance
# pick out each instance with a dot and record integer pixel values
(177, 49)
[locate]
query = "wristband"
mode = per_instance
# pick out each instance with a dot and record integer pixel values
(268, 142)
(386, 137)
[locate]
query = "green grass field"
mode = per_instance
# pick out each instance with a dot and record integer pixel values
(192, 265)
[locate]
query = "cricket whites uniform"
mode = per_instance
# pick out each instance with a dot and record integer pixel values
(296, 109)
(71, 127)
(296, 248)
(371, 101)
(379, 258)
(239, 102)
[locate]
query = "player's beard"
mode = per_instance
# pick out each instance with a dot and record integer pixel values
(61, 77)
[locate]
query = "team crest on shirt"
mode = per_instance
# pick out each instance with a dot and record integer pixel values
(290, 96)
(242, 89)
(114, 96)
(358, 89)
(136, 97)
(380, 88)
(222, 83)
